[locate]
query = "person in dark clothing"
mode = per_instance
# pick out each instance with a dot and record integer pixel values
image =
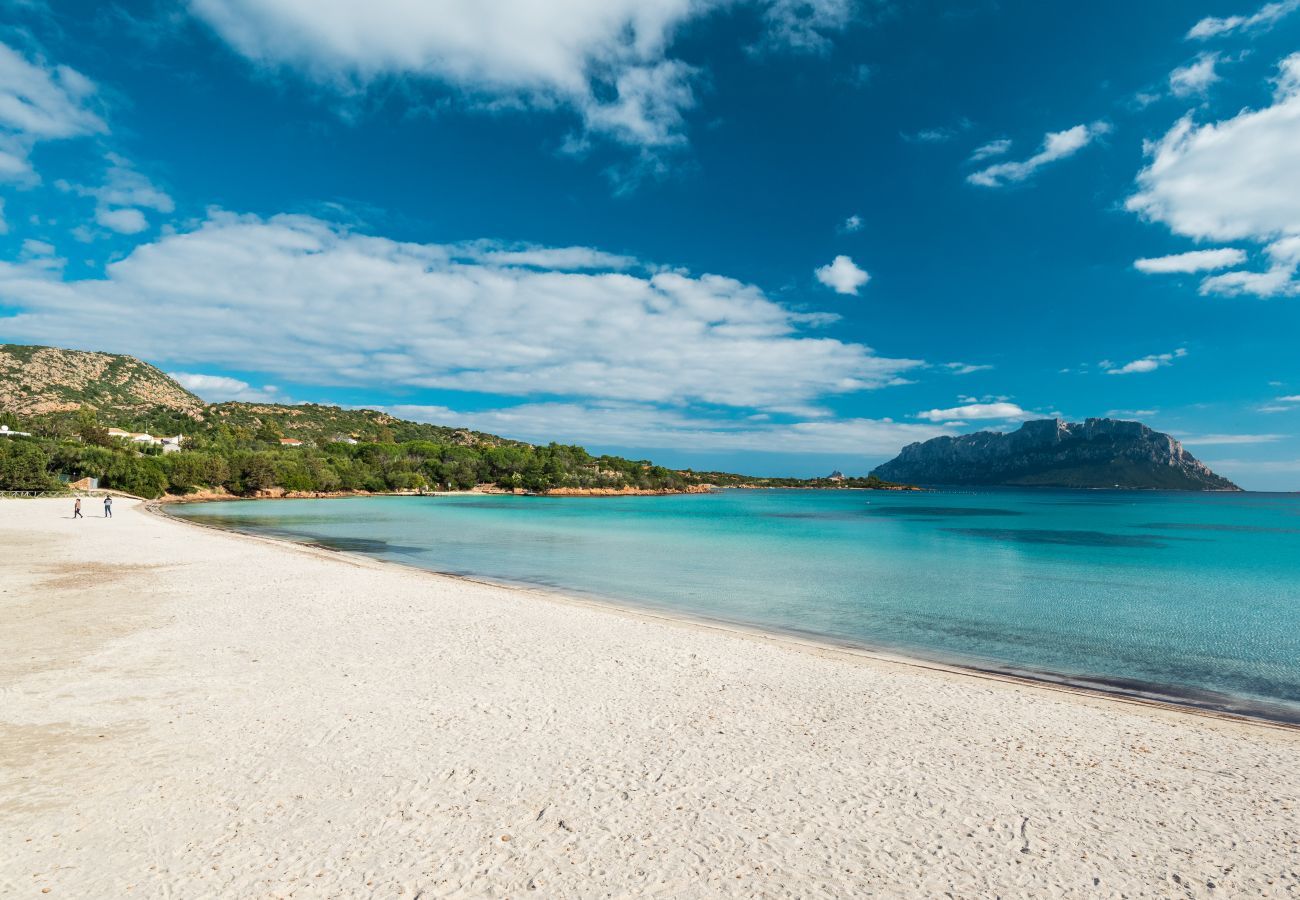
(108, 507)
(76, 510)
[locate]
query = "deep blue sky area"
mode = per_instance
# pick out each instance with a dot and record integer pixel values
(763, 235)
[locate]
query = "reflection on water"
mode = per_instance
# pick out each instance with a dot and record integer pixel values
(1188, 595)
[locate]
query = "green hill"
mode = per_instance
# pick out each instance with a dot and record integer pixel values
(69, 399)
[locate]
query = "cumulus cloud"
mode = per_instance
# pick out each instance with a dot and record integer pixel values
(842, 275)
(1145, 364)
(219, 388)
(607, 60)
(851, 224)
(308, 301)
(39, 102)
(978, 411)
(1267, 15)
(1234, 180)
(1057, 145)
(1195, 77)
(1192, 261)
(647, 426)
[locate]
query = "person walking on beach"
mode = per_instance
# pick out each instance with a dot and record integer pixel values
(108, 507)
(76, 510)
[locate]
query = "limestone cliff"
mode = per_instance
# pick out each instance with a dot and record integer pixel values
(1096, 453)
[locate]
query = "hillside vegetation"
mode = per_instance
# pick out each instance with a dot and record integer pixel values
(69, 399)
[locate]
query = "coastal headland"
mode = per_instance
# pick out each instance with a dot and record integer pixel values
(189, 712)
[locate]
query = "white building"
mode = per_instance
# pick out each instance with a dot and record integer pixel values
(5, 432)
(168, 444)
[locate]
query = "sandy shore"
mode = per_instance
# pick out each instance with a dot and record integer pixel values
(187, 713)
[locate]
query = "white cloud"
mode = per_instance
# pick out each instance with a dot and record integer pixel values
(122, 198)
(607, 60)
(804, 24)
(1229, 180)
(219, 388)
(842, 275)
(991, 149)
(1145, 364)
(567, 259)
(851, 224)
(1057, 145)
(1206, 440)
(39, 102)
(960, 368)
(1192, 261)
(977, 411)
(1130, 413)
(4, 223)
(1274, 282)
(645, 426)
(1268, 14)
(1195, 77)
(1278, 280)
(305, 300)
(123, 221)
(1234, 180)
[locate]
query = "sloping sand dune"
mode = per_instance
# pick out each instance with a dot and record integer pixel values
(185, 713)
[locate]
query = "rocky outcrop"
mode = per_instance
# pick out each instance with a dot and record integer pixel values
(35, 380)
(1097, 453)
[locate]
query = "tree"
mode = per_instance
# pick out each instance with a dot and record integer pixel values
(24, 466)
(89, 429)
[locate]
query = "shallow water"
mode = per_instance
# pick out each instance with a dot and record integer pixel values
(1194, 597)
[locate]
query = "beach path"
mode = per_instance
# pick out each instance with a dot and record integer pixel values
(189, 713)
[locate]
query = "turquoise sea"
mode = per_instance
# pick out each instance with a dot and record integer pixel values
(1188, 597)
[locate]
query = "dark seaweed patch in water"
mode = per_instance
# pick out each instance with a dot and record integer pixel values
(954, 512)
(1211, 526)
(359, 545)
(1054, 536)
(825, 517)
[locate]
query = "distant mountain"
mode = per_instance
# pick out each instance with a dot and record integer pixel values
(36, 380)
(1097, 453)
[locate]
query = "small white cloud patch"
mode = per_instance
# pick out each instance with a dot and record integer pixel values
(1268, 15)
(1194, 261)
(1057, 145)
(219, 388)
(977, 411)
(1145, 364)
(842, 275)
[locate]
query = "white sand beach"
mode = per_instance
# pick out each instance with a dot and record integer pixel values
(187, 713)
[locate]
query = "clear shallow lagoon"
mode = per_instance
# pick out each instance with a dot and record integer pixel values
(1194, 597)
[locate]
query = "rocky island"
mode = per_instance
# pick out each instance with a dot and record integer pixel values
(1096, 453)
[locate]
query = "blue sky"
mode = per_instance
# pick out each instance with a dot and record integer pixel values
(773, 236)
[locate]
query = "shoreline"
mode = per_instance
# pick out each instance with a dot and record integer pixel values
(198, 712)
(1194, 702)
